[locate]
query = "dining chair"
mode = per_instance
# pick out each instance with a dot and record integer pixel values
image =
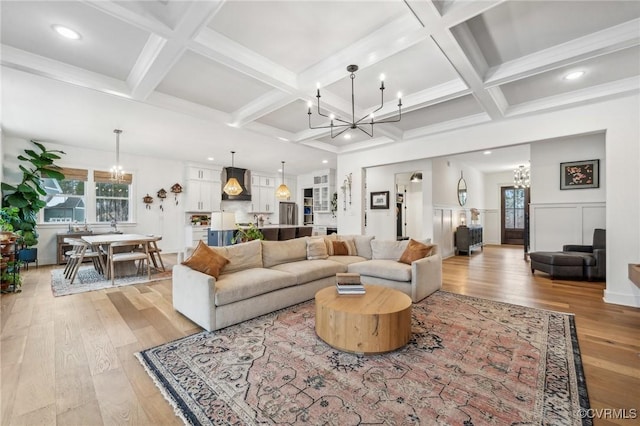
(80, 251)
(129, 255)
(154, 252)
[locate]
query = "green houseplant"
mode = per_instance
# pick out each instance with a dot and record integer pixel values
(25, 196)
(247, 234)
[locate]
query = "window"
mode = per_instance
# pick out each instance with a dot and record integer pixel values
(66, 198)
(113, 200)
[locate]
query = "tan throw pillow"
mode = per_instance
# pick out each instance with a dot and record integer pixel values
(414, 251)
(316, 249)
(206, 260)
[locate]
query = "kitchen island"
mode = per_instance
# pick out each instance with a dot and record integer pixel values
(271, 232)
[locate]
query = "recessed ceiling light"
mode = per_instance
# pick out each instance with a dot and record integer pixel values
(487, 152)
(574, 75)
(325, 161)
(210, 158)
(283, 139)
(66, 32)
(347, 136)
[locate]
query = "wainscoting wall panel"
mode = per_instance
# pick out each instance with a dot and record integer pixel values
(553, 225)
(491, 226)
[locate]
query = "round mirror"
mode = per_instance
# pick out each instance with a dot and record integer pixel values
(462, 191)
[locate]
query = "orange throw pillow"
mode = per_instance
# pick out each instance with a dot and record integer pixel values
(206, 260)
(415, 250)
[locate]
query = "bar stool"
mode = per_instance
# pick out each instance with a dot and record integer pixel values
(287, 234)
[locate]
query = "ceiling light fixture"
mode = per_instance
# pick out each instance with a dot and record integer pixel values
(66, 32)
(416, 177)
(117, 174)
(283, 193)
(574, 75)
(521, 177)
(343, 125)
(232, 187)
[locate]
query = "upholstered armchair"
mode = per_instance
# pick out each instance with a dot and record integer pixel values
(594, 265)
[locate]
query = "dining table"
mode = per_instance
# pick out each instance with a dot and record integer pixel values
(101, 243)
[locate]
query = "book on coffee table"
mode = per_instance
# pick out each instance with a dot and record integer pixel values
(350, 289)
(347, 278)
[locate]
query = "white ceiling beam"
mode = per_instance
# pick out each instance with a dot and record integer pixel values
(265, 104)
(600, 43)
(225, 51)
(459, 11)
(160, 54)
(144, 22)
(603, 91)
(387, 41)
(182, 106)
(463, 58)
(446, 126)
(45, 67)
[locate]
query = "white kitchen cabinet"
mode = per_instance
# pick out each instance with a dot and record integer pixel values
(263, 196)
(323, 184)
(201, 173)
(195, 234)
(203, 191)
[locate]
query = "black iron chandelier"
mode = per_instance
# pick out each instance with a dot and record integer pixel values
(340, 126)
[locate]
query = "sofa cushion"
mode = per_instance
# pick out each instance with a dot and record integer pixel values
(277, 252)
(347, 260)
(382, 268)
(316, 249)
(241, 256)
(415, 250)
(311, 270)
(388, 249)
(249, 283)
(362, 242)
(206, 260)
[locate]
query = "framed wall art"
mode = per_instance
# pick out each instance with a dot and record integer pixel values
(380, 200)
(580, 174)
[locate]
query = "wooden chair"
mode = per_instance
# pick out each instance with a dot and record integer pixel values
(153, 252)
(131, 255)
(80, 251)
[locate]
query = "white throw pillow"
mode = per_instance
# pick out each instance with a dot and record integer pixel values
(316, 249)
(388, 249)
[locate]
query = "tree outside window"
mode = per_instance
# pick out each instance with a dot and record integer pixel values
(66, 198)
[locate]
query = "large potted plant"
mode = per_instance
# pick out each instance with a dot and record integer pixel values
(25, 196)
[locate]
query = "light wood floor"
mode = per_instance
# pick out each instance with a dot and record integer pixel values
(69, 360)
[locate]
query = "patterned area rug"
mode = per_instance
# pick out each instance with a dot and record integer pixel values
(470, 362)
(88, 279)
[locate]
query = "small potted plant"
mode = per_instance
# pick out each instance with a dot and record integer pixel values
(247, 234)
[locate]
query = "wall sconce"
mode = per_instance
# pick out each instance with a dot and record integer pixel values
(346, 187)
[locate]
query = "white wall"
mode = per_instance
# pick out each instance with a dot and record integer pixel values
(617, 118)
(382, 223)
(150, 175)
(558, 216)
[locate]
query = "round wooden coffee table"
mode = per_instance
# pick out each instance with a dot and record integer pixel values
(375, 322)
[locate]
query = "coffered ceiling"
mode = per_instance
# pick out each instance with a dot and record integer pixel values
(192, 79)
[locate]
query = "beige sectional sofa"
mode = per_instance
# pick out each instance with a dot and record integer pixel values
(264, 276)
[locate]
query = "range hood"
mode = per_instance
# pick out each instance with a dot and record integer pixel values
(244, 177)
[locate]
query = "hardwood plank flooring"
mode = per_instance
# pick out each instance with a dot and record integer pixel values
(69, 360)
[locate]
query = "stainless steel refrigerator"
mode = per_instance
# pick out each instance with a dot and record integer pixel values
(288, 213)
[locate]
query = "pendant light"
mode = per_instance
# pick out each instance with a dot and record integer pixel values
(117, 174)
(232, 187)
(283, 193)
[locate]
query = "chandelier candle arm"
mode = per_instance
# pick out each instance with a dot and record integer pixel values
(345, 125)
